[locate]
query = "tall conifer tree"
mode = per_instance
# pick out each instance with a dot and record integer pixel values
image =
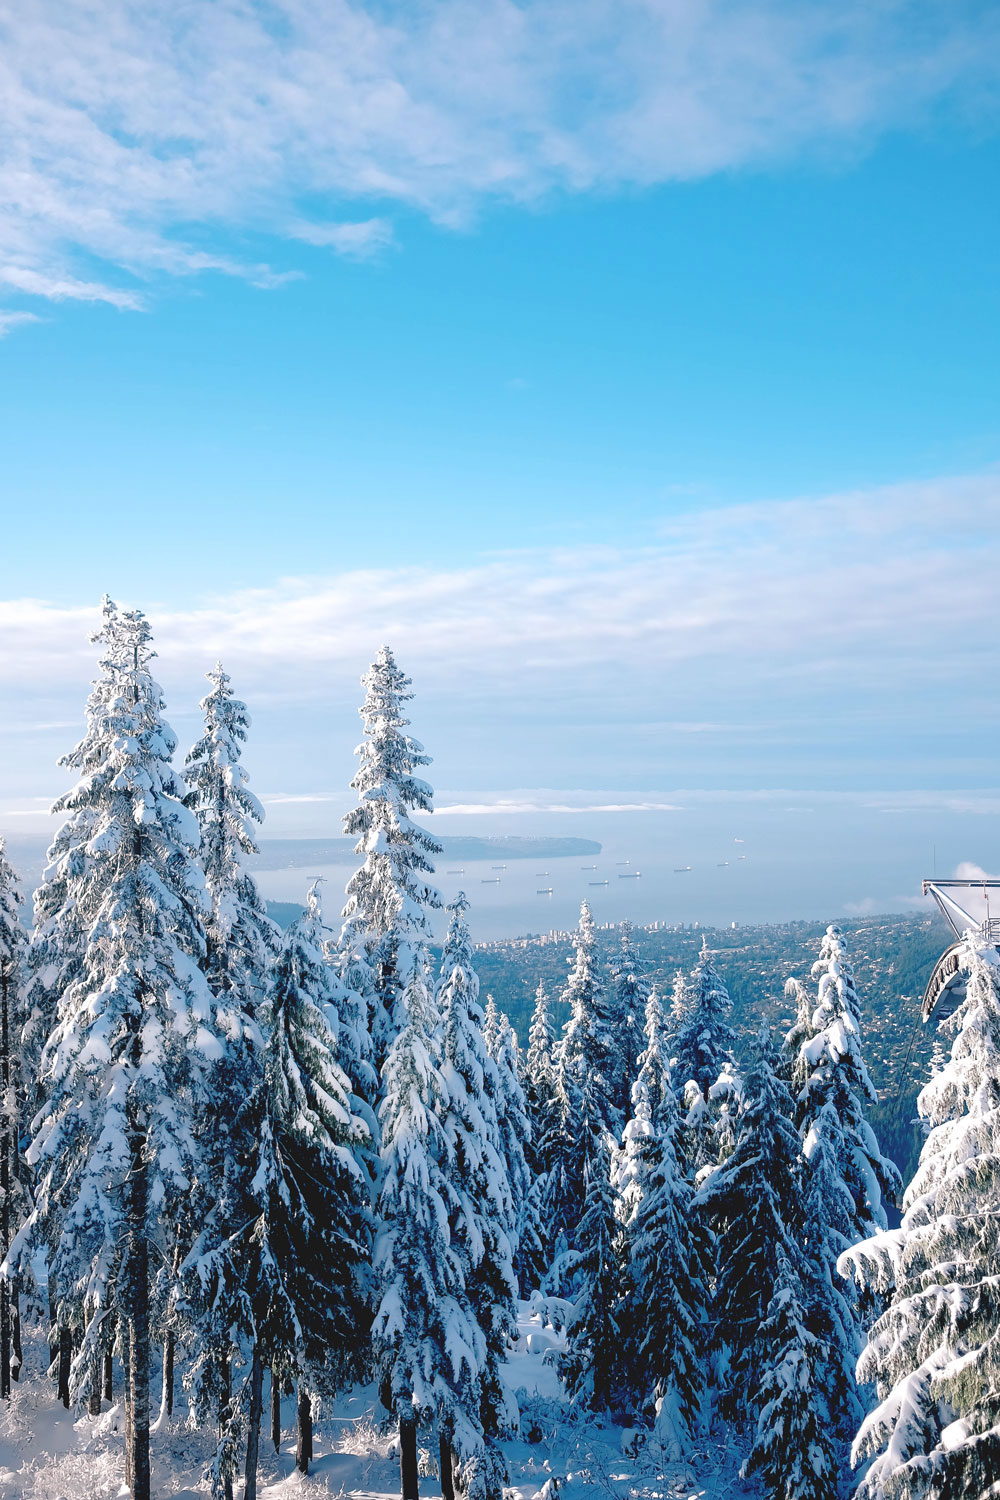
(12, 1198)
(702, 1066)
(389, 897)
(828, 1068)
(483, 1215)
(753, 1204)
(663, 1306)
(932, 1354)
(127, 1065)
(629, 993)
(428, 1340)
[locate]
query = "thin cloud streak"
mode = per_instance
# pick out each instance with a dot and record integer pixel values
(123, 125)
(501, 806)
(839, 588)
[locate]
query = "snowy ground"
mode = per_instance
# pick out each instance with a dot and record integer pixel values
(46, 1454)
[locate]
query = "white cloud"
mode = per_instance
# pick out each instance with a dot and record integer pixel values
(129, 129)
(281, 799)
(358, 241)
(825, 598)
(9, 320)
(966, 869)
(60, 288)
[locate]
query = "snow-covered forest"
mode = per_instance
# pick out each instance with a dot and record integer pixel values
(262, 1187)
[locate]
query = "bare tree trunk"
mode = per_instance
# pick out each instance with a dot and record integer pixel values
(15, 1297)
(53, 1313)
(169, 1349)
(408, 1477)
(5, 1336)
(253, 1430)
(445, 1464)
(95, 1384)
(275, 1410)
(109, 1370)
(138, 1287)
(304, 1444)
(65, 1360)
(225, 1399)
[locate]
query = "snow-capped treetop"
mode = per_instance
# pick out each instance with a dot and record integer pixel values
(653, 1112)
(541, 1041)
(389, 897)
(585, 1048)
(63, 910)
(630, 989)
(627, 1164)
(241, 937)
(829, 1068)
(652, 1066)
(932, 1353)
(389, 891)
(491, 1024)
(834, 973)
(681, 1000)
(704, 1042)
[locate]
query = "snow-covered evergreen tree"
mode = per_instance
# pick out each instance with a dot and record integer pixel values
(581, 1095)
(558, 1192)
(629, 993)
(512, 1115)
(753, 1204)
(829, 1069)
(676, 1016)
(427, 1337)
(483, 1216)
(324, 1147)
(539, 1074)
(241, 938)
(662, 1311)
(289, 1273)
(791, 1453)
(13, 1204)
(127, 1066)
(65, 903)
(389, 897)
(826, 1234)
(703, 1046)
(585, 1051)
(516, 1134)
(241, 942)
(591, 1273)
(933, 1352)
(702, 1067)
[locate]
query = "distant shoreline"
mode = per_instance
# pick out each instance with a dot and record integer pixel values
(293, 854)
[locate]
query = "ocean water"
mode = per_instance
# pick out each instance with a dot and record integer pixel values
(750, 861)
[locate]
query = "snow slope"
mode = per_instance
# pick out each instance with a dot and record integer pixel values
(48, 1454)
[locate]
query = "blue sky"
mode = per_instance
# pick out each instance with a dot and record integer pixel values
(630, 367)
